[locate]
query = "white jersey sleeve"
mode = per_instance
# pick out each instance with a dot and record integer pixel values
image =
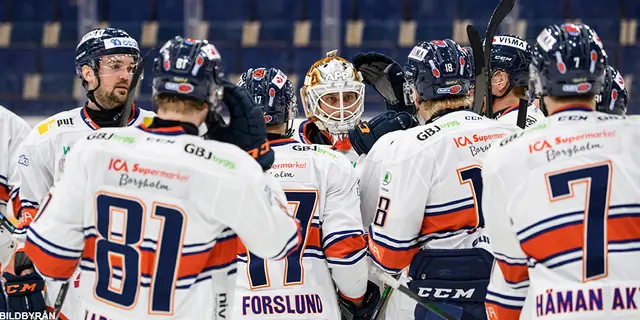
(342, 234)
(510, 275)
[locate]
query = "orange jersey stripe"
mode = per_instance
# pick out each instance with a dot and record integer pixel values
(221, 254)
(456, 220)
(571, 237)
(497, 312)
(391, 259)
(514, 273)
(15, 203)
(50, 266)
(4, 193)
(345, 247)
(313, 240)
(26, 216)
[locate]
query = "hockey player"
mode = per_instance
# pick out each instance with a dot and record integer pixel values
(614, 97)
(566, 228)
(427, 213)
(13, 131)
(510, 58)
(322, 190)
(333, 101)
(105, 60)
(145, 210)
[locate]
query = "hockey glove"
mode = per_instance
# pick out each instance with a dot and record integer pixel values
(369, 302)
(386, 76)
(24, 293)
(365, 134)
(246, 127)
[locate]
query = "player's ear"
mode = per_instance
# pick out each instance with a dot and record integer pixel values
(88, 75)
(499, 82)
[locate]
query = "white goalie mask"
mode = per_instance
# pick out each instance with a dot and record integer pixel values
(333, 93)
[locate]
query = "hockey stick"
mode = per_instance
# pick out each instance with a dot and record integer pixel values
(522, 114)
(478, 58)
(502, 11)
(396, 285)
(384, 299)
(128, 103)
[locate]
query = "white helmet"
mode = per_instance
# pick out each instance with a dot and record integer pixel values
(333, 74)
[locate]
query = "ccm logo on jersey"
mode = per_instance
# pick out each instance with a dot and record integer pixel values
(446, 293)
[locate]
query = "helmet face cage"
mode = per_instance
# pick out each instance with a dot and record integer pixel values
(613, 97)
(190, 68)
(334, 78)
(568, 60)
(103, 42)
(274, 93)
(438, 70)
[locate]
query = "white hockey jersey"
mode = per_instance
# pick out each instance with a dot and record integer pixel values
(13, 130)
(301, 135)
(562, 208)
(510, 115)
(322, 191)
(427, 195)
(145, 214)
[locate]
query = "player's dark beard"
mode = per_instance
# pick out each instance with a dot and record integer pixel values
(110, 100)
(113, 106)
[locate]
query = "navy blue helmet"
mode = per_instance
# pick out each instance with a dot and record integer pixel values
(190, 69)
(613, 98)
(274, 93)
(512, 55)
(568, 61)
(101, 42)
(439, 70)
(472, 65)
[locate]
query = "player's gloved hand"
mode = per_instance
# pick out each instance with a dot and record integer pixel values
(24, 293)
(365, 134)
(246, 127)
(386, 76)
(369, 302)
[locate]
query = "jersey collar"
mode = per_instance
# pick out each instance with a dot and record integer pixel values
(169, 127)
(576, 107)
(504, 112)
(135, 113)
(281, 142)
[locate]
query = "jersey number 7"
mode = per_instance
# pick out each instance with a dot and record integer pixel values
(305, 202)
(597, 177)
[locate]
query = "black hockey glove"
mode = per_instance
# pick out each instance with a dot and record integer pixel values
(365, 134)
(370, 301)
(386, 76)
(246, 127)
(24, 293)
